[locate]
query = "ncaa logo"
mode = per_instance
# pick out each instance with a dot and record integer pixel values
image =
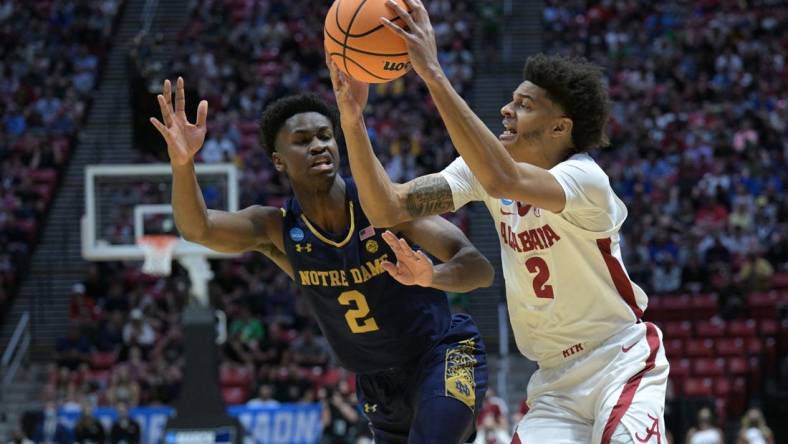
(296, 234)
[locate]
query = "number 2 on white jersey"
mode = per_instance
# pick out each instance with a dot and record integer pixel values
(537, 265)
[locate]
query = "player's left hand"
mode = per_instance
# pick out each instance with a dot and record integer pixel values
(412, 267)
(419, 38)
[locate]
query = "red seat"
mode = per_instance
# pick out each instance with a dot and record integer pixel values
(738, 399)
(234, 395)
(768, 327)
(741, 328)
(699, 348)
(703, 306)
(738, 366)
(722, 411)
(722, 387)
(730, 346)
(698, 387)
(230, 376)
(677, 329)
(754, 346)
(780, 279)
(710, 329)
(763, 305)
(102, 360)
(100, 377)
(677, 307)
(674, 348)
(708, 367)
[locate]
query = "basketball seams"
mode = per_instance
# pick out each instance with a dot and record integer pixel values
(352, 48)
(349, 27)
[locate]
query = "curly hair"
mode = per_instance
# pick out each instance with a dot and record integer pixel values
(578, 88)
(277, 113)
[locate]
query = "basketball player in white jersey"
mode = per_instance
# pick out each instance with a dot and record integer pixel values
(602, 372)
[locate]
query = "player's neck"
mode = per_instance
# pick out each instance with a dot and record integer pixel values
(542, 156)
(326, 208)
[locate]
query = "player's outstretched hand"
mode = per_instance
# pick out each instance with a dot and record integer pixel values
(350, 93)
(412, 267)
(184, 139)
(419, 37)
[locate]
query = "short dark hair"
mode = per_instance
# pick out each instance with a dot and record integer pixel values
(578, 88)
(277, 113)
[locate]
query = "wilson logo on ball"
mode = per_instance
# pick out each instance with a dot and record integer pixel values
(391, 66)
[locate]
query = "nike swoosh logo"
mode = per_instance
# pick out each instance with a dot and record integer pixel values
(626, 349)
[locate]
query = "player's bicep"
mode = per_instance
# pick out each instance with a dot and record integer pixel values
(240, 231)
(538, 187)
(427, 196)
(435, 235)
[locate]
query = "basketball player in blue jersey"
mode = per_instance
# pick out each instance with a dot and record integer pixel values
(421, 372)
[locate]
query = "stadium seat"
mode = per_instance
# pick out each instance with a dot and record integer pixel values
(730, 346)
(699, 348)
(102, 360)
(741, 327)
(763, 305)
(681, 329)
(234, 395)
(674, 348)
(232, 376)
(780, 279)
(754, 346)
(679, 372)
(703, 306)
(768, 327)
(738, 366)
(676, 308)
(708, 367)
(722, 387)
(698, 387)
(710, 329)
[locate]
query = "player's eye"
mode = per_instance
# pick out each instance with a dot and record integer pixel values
(325, 136)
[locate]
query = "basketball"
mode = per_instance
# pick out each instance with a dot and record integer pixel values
(360, 45)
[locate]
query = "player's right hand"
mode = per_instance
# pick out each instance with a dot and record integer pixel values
(183, 139)
(351, 94)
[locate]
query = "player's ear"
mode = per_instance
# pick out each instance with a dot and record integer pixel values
(276, 159)
(562, 127)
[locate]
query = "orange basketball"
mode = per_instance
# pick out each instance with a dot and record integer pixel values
(360, 45)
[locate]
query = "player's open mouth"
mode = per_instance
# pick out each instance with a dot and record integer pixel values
(323, 164)
(509, 132)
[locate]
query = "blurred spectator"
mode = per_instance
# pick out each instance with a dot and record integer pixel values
(264, 397)
(495, 407)
(123, 389)
(19, 437)
(124, 430)
(340, 416)
(72, 349)
(82, 308)
(309, 351)
(247, 327)
(138, 331)
(705, 432)
(667, 276)
(754, 429)
(755, 273)
(88, 429)
(489, 432)
(49, 430)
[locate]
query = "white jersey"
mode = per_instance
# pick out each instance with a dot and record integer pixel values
(566, 286)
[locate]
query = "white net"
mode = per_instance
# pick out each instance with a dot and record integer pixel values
(158, 254)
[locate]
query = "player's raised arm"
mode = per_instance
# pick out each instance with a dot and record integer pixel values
(385, 203)
(496, 170)
(223, 231)
(463, 269)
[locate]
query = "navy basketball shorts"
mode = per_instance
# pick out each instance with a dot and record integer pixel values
(456, 367)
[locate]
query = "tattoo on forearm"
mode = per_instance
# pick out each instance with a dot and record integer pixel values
(429, 195)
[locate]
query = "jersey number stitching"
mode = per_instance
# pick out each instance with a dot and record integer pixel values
(537, 265)
(354, 316)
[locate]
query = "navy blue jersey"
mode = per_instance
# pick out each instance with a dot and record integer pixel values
(371, 321)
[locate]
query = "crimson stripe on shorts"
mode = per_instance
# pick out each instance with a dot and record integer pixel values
(515, 438)
(620, 279)
(625, 399)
